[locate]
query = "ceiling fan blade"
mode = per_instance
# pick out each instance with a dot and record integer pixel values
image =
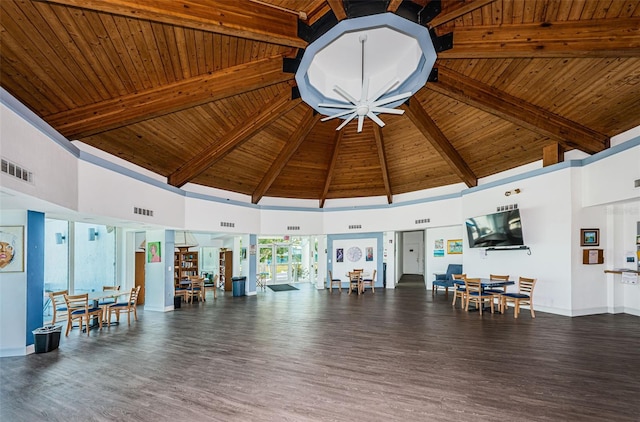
(386, 89)
(347, 120)
(375, 119)
(391, 99)
(360, 123)
(387, 110)
(333, 116)
(337, 105)
(345, 94)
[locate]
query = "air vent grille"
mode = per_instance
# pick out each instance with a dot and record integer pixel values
(355, 226)
(423, 221)
(293, 228)
(507, 207)
(143, 211)
(227, 224)
(15, 170)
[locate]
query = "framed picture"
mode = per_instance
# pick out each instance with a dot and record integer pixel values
(340, 255)
(243, 254)
(153, 252)
(638, 239)
(11, 249)
(368, 253)
(589, 237)
(454, 246)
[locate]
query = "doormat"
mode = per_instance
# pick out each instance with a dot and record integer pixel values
(282, 287)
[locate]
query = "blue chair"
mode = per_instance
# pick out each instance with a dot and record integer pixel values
(446, 280)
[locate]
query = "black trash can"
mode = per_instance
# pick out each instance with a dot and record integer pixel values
(237, 286)
(177, 302)
(47, 338)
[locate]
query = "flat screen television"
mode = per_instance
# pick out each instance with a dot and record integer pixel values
(495, 230)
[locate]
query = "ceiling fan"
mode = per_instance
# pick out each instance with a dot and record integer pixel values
(365, 106)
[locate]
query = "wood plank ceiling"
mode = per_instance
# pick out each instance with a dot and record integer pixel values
(195, 90)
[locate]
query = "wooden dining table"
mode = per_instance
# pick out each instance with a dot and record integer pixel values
(486, 283)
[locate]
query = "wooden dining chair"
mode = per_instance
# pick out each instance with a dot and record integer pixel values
(335, 281)
(460, 291)
(130, 306)
(370, 282)
(58, 306)
(180, 290)
(195, 290)
(475, 294)
(212, 286)
(524, 296)
(498, 291)
(355, 279)
(79, 309)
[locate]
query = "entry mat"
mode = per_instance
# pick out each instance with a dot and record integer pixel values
(282, 287)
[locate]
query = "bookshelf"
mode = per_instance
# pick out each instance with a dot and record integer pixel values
(186, 263)
(226, 269)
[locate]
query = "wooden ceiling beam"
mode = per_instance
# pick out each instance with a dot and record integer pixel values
(265, 115)
(309, 120)
(338, 9)
(393, 5)
(129, 109)
(457, 11)
(377, 134)
(238, 18)
(517, 111)
(433, 134)
(332, 166)
(618, 37)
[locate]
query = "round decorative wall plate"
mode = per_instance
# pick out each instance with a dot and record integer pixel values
(354, 254)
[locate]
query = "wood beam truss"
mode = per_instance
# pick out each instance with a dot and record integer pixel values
(271, 111)
(332, 166)
(517, 111)
(129, 109)
(377, 134)
(309, 120)
(238, 18)
(440, 143)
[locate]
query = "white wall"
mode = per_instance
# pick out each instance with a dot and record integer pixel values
(13, 298)
(439, 264)
(547, 229)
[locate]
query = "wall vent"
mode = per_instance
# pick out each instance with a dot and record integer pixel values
(423, 221)
(507, 207)
(143, 211)
(15, 170)
(227, 224)
(292, 228)
(355, 226)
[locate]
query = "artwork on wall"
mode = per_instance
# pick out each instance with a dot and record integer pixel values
(589, 237)
(153, 252)
(438, 248)
(243, 254)
(454, 246)
(339, 255)
(354, 254)
(11, 249)
(369, 253)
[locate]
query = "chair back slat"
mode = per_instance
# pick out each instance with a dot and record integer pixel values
(526, 285)
(473, 285)
(497, 277)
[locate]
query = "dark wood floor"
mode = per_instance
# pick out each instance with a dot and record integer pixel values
(307, 355)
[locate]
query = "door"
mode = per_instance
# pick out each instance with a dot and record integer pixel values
(139, 275)
(411, 261)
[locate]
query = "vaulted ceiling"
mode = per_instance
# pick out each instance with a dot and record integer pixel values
(203, 91)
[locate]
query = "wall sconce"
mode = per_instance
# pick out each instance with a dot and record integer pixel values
(60, 238)
(512, 192)
(93, 234)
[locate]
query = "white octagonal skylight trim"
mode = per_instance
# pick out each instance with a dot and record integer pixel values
(394, 49)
